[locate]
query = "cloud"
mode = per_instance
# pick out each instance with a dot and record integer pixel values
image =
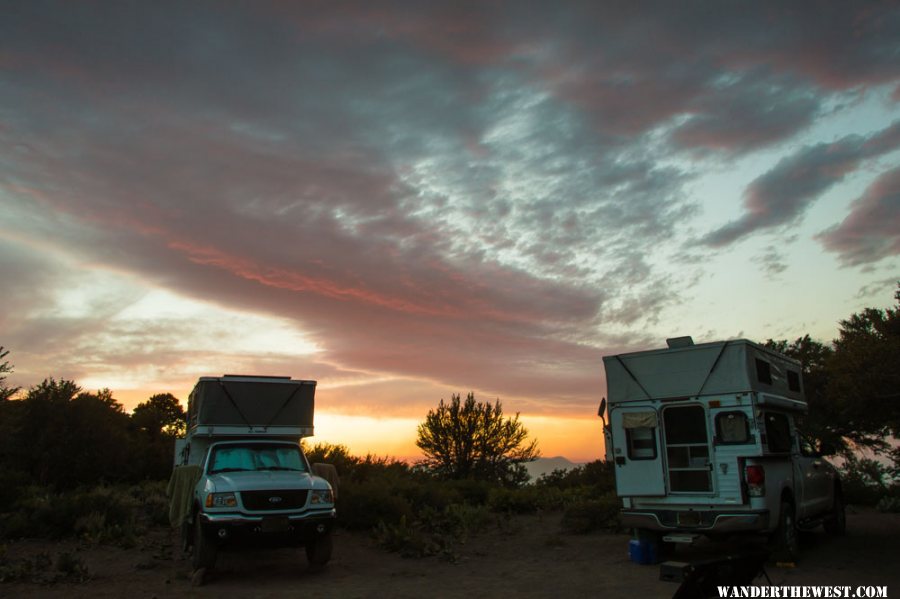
(465, 198)
(748, 111)
(871, 231)
(781, 196)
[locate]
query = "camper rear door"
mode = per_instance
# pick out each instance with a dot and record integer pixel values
(637, 455)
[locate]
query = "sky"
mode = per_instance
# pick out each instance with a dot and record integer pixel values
(409, 200)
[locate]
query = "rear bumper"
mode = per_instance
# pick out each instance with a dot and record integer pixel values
(707, 521)
(277, 530)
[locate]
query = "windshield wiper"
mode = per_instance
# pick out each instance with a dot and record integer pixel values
(281, 468)
(229, 470)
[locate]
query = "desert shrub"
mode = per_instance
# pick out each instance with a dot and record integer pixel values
(526, 500)
(472, 492)
(152, 501)
(599, 475)
(101, 514)
(428, 492)
(408, 541)
(434, 531)
(40, 568)
(72, 567)
(361, 506)
(12, 483)
(889, 504)
(601, 513)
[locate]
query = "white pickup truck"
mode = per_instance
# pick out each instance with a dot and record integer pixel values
(240, 476)
(704, 441)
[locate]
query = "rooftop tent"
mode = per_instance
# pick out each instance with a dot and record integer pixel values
(251, 402)
(736, 366)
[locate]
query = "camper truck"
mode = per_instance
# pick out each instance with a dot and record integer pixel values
(240, 475)
(705, 441)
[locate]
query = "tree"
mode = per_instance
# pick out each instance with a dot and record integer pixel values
(823, 423)
(5, 368)
(853, 387)
(66, 437)
(865, 374)
(160, 415)
(472, 440)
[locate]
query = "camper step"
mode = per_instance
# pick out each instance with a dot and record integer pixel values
(685, 538)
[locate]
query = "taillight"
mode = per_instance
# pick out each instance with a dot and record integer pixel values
(756, 481)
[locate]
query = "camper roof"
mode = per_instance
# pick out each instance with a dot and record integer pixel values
(686, 370)
(252, 402)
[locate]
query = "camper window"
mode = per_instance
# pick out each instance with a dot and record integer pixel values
(641, 443)
(763, 371)
(793, 378)
(732, 428)
(778, 433)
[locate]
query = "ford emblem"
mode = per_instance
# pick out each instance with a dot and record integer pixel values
(275, 499)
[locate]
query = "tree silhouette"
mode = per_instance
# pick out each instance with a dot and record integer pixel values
(5, 368)
(160, 415)
(472, 440)
(852, 385)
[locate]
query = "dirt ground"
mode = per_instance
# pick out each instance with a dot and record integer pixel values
(528, 557)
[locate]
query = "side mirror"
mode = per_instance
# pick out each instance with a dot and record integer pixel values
(602, 411)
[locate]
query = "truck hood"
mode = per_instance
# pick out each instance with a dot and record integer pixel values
(265, 480)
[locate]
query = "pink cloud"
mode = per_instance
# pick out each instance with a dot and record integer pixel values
(871, 231)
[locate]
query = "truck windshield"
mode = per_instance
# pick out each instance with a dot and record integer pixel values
(256, 456)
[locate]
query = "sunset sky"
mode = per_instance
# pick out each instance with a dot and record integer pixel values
(409, 200)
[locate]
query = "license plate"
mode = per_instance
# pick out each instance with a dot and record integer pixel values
(688, 519)
(274, 525)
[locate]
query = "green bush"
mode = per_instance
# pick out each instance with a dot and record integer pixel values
(472, 492)
(362, 506)
(102, 514)
(599, 475)
(526, 500)
(601, 513)
(434, 532)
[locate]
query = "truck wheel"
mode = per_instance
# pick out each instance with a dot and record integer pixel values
(837, 524)
(318, 551)
(205, 550)
(786, 539)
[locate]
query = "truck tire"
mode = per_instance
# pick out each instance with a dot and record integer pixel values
(786, 538)
(318, 551)
(205, 550)
(836, 524)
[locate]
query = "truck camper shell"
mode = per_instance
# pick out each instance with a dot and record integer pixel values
(731, 367)
(239, 405)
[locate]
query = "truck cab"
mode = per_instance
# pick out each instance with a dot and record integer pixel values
(241, 478)
(704, 441)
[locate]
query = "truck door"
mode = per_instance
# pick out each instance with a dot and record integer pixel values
(635, 440)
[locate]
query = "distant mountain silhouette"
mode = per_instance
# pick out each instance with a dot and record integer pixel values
(546, 465)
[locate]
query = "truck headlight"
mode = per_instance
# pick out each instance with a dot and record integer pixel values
(221, 500)
(321, 497)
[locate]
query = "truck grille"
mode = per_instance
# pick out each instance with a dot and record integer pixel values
(287, 499)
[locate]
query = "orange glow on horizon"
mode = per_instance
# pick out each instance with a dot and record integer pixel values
(577, 439)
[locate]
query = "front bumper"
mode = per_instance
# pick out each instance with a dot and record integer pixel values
(707, 521)
(270, 530)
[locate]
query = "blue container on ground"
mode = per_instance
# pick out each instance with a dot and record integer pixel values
(642, 551)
